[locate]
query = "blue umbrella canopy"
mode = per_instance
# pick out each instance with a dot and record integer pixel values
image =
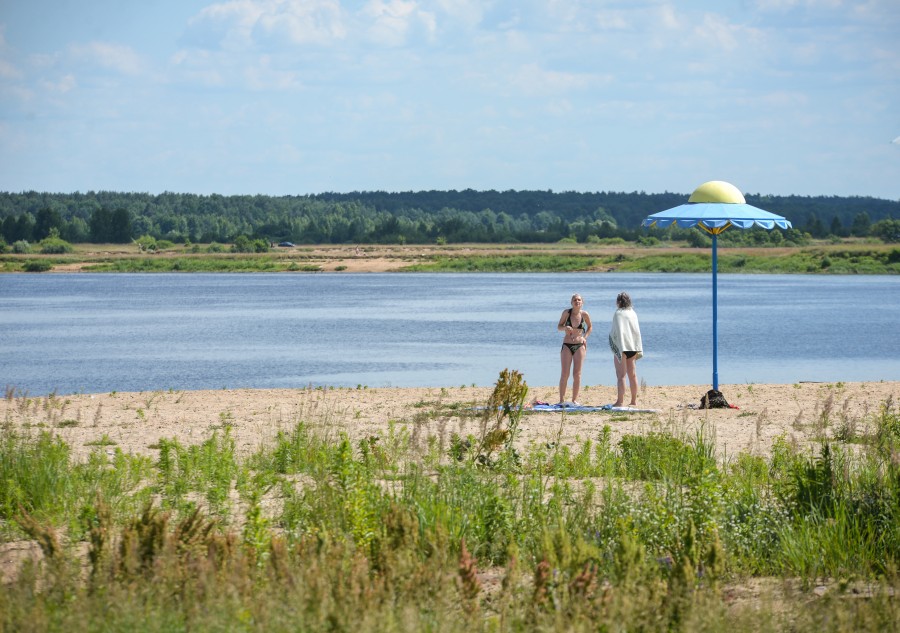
(714, 207)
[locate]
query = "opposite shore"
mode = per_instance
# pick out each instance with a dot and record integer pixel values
(860, 257)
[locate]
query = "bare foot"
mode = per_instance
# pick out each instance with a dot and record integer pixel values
(617, 404)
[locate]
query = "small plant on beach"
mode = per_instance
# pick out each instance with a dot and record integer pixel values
(105, 440)
(501, 416)
(209, 468)
(661, 456)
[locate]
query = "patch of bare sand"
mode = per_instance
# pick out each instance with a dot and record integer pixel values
(134, 422)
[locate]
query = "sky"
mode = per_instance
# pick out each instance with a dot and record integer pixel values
(295, 97)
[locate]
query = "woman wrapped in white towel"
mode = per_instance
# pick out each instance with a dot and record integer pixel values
(626, 346)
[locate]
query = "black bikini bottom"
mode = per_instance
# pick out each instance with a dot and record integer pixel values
(573, 347)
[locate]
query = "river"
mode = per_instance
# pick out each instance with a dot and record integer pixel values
(90, 333)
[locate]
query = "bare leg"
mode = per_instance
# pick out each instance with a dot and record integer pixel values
(577, 361)
(565, 359)
(620, 380)
(631, 370)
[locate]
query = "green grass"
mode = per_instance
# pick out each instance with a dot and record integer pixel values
(191, 264)
(507, 264)
(801, 260)
(312, 532)
(798, 261)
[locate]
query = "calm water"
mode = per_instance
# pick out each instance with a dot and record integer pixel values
(119, 332)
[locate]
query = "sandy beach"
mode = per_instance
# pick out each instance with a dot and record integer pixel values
(801, 413)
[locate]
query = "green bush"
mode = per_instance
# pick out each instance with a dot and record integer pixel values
(698, 239)
(54, 245)
(147, 243)
(243, 244)
(647, 240)
(37, 266)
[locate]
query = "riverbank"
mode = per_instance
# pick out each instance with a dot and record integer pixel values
(802, 414)
(249, 525)
(856, 257)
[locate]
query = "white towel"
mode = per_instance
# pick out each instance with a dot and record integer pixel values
(625, 334)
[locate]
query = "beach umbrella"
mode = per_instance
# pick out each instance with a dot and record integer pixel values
(714, 207)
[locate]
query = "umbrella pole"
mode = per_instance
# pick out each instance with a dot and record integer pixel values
(715, 314)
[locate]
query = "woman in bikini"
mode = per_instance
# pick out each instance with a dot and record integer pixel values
(576, 323)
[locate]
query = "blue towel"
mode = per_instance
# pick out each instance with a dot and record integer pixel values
(586, 409)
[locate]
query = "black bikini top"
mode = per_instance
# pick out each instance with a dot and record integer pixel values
(582, 326)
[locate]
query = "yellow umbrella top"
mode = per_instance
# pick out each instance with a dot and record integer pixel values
(717, 191)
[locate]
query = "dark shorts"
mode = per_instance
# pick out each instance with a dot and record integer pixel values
(629, 354)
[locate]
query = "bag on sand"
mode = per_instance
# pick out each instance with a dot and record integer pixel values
(713, 399)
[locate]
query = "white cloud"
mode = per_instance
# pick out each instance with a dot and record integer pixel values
(668, 18)
(560, 107)
(718, 32)
(787, 101)
(240, 24)
(534, 80)
(8, 70)
(304, 22)
(896, 141)
(787, 5)
(107, 55)
(393, 22)
(263, 76)
(66, 84)
(466, 12)
(228, 25)
(200, 67)
(613, 20)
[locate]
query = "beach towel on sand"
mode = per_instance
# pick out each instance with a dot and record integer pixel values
(581, 408)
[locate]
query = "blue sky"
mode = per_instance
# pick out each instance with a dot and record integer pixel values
(306, 96)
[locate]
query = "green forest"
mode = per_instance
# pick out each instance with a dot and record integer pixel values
(423, 217)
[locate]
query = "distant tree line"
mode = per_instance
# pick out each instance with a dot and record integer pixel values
(413, 217)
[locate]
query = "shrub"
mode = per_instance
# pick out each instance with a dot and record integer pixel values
(243, 244)
(54, 245)
(21, 247)
(647, 240)
(697, 239)
(607, 241)
(147, 243)
(37, 266)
